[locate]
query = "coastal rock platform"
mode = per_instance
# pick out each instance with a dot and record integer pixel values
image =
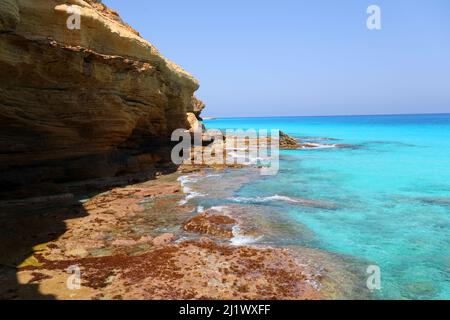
(129, 243)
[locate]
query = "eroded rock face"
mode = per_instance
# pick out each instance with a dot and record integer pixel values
(80, 104)
(194, 124)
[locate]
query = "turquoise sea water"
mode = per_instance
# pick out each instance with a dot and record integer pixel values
(386, 190)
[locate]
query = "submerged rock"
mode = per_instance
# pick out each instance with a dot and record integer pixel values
(439, 201)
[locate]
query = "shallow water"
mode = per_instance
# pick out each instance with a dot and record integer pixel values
(379, 193)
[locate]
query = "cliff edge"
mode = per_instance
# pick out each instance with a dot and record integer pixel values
(82, 101)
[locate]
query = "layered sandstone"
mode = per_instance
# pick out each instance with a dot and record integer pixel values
(98, 101)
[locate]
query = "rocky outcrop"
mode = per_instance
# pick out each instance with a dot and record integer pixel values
(76, 104)
(211, 224)
(198, 107)
(287, 142)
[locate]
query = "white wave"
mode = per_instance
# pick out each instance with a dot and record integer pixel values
(212, 176)
(219, 208)
(265, 199)
(320, 146)
(191, 194)
(240, 240)
(303, 202)
(247, 159)
(187, 179)
(200, 209)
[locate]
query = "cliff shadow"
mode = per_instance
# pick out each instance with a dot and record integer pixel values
(27, 223)
(23, 228)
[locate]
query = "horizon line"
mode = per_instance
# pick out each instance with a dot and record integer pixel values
(330, 115)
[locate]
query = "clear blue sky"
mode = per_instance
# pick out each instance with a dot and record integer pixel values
(294, 57)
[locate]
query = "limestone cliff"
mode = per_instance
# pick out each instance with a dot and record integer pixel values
(77, 104)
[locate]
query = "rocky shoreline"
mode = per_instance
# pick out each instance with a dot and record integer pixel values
(139, 242)
(122, 253)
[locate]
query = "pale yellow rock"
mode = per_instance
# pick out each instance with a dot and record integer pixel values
(98, 32)
(55, 286)
(124, 242)
(145, 239)
(195, 125)
(198, 106)
(30, 262)
(78, 252)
